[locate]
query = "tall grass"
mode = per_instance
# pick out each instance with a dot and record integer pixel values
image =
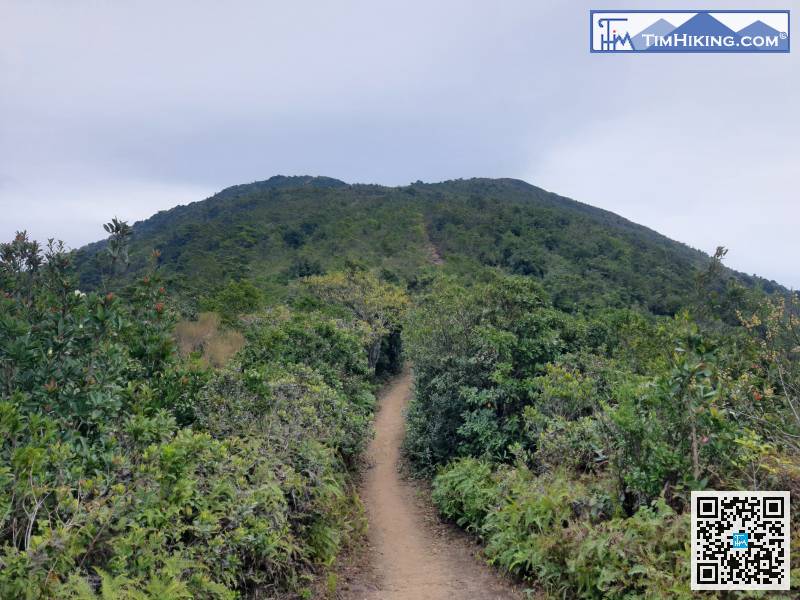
(213, 344)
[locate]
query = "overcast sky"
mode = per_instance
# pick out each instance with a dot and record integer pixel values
(129, 107)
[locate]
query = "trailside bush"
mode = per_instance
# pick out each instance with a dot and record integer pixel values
(578, 446)
(290, 403)
(125, 473)
(331, 347)
(163, 495)
(465, 492)
(519, 532)
(244, 512)
(476, 355)
(644, 556)
(559, 533)
(572, 444)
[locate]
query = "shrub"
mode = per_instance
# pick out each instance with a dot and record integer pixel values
(476, 355)
(522, 533)
(563, 533)
(290, 403)
(565, 393)
(465, 491)
(330, 346)
(127, 473)
(376, 306)
(578, 446)
(233, 300)
(645, 556)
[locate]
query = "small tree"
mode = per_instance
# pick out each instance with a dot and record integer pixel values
(379, 305)
(118, 241)
(775, 329)
(235, 299)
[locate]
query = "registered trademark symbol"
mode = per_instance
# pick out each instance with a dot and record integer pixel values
(782, 35)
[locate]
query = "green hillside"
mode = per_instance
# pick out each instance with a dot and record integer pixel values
(274, 231)
(562, 413)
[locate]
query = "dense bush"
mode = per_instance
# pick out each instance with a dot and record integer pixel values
(234, 299)
(466, 492)
(376, 306)
(571, 443)
(568, 535)
(127, 473)
(577, 445)
(476, 355)
(332, 347)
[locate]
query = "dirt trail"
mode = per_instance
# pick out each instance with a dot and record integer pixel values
(412, 556)
(433, 252)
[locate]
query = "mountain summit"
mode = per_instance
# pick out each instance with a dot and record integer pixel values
(271, 232)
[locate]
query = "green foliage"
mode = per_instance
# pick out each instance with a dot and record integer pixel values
(376, 306)
(126, 473)
(678, 430)
(578, 445)
(236, 298)
(773, 383)
(465, 492)
(290, 403)
(331, 347)
(304, 267)
(571, 443)
(74, 356)
(563, 534)
(477, 355)
(118, 240)
(274, 231)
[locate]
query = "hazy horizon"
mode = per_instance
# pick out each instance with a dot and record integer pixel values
(126, 110)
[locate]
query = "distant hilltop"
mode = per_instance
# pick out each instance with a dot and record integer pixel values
(282, 228)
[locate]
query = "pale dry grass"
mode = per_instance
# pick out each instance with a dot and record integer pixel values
(205, 336)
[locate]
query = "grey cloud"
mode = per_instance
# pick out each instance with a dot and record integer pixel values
(128, 108)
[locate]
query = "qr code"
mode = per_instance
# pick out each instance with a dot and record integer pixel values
(740, 541)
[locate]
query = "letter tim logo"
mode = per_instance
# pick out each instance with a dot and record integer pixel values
(689, 31)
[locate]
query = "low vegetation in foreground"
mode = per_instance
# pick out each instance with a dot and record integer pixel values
(127, 471)
(570, 443)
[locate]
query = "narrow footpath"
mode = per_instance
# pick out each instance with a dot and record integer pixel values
(412, 557)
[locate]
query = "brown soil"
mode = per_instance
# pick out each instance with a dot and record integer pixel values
(436, 258)
(411, 555)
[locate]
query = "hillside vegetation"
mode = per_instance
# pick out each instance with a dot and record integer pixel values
(576, 376)
(128, 472)
(570, 443)
(273, 232)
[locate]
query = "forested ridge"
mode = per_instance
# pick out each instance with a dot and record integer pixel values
(184, 405)
(272, 232)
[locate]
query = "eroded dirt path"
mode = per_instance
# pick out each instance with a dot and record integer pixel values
(411, 555)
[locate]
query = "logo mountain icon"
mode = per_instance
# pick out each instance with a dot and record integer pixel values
(702, 24)
(759, 28)
(660, 28)
(696, 31)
